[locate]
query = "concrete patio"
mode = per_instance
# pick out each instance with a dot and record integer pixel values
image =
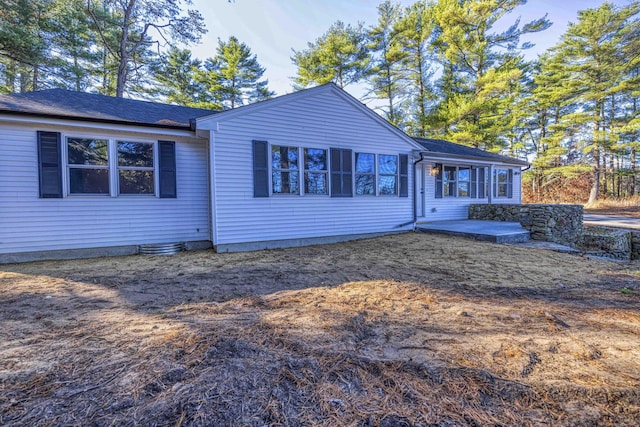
(490, 231)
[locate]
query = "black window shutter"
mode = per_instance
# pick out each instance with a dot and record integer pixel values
(167, 156)
(50, 165)
(404, 175)
(482, 183)
(439, 181)
(260, 169)
(510, 184)
(474, 183)
(336, 175)
(341, 173)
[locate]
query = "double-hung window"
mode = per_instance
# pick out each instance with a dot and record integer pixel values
(387, 174)
(503, 183)
(88, 166)
(83, 165)
(481, 174)
(315, 171)
(460, 181)
(365, 176)
(334, 172)
(464, 182)
(285, 175)
(136, 168)
(450, 181)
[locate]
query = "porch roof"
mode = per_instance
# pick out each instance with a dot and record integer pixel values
(441, 148)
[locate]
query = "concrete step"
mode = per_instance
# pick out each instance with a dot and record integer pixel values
(488, 231)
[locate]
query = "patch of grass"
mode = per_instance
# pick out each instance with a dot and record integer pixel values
(626, 291)
(627, 202)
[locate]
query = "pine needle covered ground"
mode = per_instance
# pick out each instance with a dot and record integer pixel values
(403, 330)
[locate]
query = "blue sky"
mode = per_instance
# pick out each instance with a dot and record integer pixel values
(272, 28)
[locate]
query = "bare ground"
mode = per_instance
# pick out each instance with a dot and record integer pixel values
(401, 330)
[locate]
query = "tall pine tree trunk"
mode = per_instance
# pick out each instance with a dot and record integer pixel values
(595, 187)
(597, 152)
(612, 167)
(10, 75)
(633, 171)
(36, 76)
(605, 180)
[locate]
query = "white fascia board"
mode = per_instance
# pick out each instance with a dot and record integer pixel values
(73, 124)
(445, 157)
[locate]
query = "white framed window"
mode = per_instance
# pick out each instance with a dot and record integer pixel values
(88, 166)
(450, 181)
(280, 169)
(136, 168)
(464, 182)
(285, 172)
(365, 174)
(503, 183)
(315, 171)
(460, 181)
(110, 167)
(387, 174)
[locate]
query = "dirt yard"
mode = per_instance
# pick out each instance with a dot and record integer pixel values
(403, 330)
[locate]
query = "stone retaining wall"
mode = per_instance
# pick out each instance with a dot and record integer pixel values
(552, 223)
(635, 244)
(507, 213)
(606, 242)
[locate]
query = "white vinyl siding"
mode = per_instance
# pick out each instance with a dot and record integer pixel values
(322, 121)
(453, 208)
(28, 223)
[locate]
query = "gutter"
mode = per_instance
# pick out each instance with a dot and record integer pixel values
(185, 127)
(505, 160)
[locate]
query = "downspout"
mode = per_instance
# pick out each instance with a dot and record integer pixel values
(415, 183)
(212, 190)
(415, 187)
(490, 195)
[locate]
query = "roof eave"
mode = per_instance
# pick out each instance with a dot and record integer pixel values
(97, 120)
(473, 158)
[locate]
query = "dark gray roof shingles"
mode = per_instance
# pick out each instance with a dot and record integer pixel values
(63, 103)
(458, 150)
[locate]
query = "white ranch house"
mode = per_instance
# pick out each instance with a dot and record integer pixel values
(89, 175)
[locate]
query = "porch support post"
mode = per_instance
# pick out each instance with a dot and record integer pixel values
(490, 179)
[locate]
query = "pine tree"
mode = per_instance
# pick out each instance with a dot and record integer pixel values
(176, 75)
(386, 50)
(415, 30)
(339, 56)
(593, 53)
(76, 63)
(233, 77)
(23, 48)
(133, 21)
(488, 67)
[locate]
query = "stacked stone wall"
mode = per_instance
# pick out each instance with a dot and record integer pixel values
(552, 223)
(635, 244)
(563, 224)
(607, 242)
